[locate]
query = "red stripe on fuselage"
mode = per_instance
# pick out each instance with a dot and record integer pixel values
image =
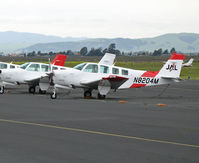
(135, 85)
(150, 74)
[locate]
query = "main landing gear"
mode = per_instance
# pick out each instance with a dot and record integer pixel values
(31, 89)
(87, 94)
(1, 89)
(99, 96)
(41, 92)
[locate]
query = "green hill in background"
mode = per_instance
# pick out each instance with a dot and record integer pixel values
(183, 42)
(28, 42)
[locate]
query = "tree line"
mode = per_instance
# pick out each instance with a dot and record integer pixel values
(100, 52)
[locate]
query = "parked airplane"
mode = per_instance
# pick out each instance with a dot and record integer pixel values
(4, 65)
(188, 64)
(105, 76)
(30, 73)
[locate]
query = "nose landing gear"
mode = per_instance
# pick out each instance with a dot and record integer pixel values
(53, 95)
(1, 89)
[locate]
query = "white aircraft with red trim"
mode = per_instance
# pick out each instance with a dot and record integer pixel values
(31, 73)
(104, 76)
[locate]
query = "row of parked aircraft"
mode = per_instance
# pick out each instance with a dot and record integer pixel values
(102, 76)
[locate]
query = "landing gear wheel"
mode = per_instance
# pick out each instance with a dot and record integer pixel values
(42, 92)
(87, 94)
(53, 95)
(2, 90)
(31, 90)
(99, 96)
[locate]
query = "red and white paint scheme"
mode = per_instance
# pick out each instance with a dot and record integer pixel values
(169, 73)
(31, 73)
(104, 76)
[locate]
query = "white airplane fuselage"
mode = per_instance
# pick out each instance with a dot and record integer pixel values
(26, 74)
(136, 78)
(19, 75)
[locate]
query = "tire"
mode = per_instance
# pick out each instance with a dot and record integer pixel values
(42, 92)
(87, 94)
(2, 90)
(53, 95)
(31, 90)
(99, 96)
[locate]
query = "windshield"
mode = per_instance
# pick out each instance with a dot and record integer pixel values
(24, 65)
(80, 66)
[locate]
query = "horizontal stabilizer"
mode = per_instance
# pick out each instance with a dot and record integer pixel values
(188, 64)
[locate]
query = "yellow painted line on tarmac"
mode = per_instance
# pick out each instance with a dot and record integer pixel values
(99, 133)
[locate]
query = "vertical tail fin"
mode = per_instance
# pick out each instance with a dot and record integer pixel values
(59, 60)
(172, 67)
(107, 59)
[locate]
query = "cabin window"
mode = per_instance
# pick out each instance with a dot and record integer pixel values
(55, 68)
(124, 72)
(45, 68)
(115, 71)
(62, 68)
(80, 66)
(104, 69)
(12, 67)
(91, 68)
(34, 67)
(3, 66)
(24, 65)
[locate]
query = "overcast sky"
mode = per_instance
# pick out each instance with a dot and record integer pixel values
(100, 18)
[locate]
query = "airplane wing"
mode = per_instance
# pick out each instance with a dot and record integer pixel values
(35, 79)
(3, 83)
(114, 82)
(90, 83)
